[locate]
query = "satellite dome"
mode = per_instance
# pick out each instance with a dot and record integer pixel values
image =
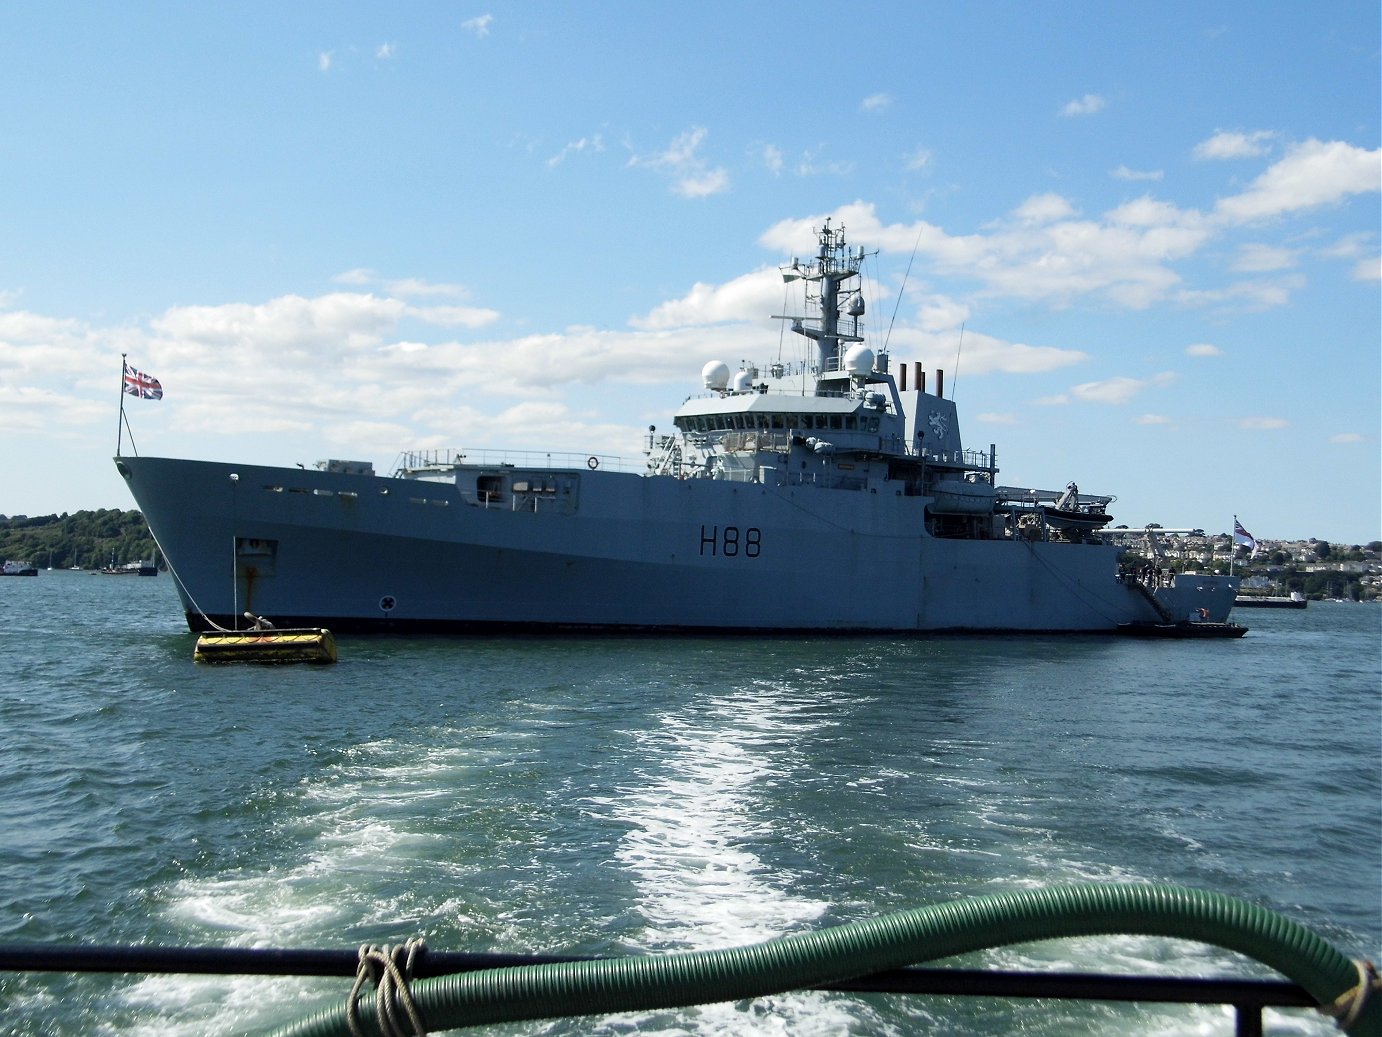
(742, 381)
(715, 374)
(859, 359)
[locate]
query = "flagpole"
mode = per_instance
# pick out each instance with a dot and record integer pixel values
(120, 423)
(1233, 545)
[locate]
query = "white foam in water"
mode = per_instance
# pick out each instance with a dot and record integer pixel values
(689, 824)
(210, 1006)
(348, 839)
(699, 887)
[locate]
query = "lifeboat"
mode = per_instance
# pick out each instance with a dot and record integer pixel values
(960, 497)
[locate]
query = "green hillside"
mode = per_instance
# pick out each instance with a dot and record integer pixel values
(89, 539)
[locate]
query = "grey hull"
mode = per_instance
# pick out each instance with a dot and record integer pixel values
(613, 551)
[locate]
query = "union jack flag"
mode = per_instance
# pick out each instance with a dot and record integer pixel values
(145, 386)
(1242, 537)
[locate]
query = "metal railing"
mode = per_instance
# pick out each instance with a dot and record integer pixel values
(419, 461)
(1247, 997)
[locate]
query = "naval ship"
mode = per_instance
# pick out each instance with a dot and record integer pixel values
(825, 495)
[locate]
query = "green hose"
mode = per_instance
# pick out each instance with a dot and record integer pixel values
(860, 948)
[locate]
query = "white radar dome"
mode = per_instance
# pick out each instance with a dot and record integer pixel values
(715, 374)
(859, 359)
(742, 381)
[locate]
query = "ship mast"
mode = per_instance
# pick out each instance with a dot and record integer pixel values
(835, 264)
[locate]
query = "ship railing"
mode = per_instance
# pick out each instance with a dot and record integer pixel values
(413, 464)
(766, 475)
(756, 440)
(815, 394)
(954, 458)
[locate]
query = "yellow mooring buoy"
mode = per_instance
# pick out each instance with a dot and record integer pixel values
(306, 645)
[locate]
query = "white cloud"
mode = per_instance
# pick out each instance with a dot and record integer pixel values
(454, 316)
(1124, 173)
(1245, 295)
(918, 160)
(677, 155)
(1120, 389)
(24, 327)
(981, 354)
(681, 161)
(1346, 437)
(385, 51)
(1044, 208)
(1046, 250)
(702, 185)
(811, 164)
(1256, 258)
(1228, 144)
(1089, 104)
(408, 287)
(745, 298)
(998, 419)
(875, 103)
(414, 287)
(595, 145)
(1262, 424)
(1350, 246)
(1043, 252)
(771, 155)
(479, 26)
(324, 61)
(1203, 349)
(1310, 175)
(359, 275)
(1153, 419)
(26, 410)
(290, 325)
(736, 309)
(1360, 247)
(942, 313)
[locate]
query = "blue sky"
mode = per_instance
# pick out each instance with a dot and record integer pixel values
(1143, 239)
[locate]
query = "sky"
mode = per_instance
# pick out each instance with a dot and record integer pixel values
(1141, 240)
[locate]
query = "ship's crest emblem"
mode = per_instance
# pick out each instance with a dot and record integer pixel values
(939, 424)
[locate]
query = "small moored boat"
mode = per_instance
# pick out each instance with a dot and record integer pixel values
(1296, 600)
(1074, 513)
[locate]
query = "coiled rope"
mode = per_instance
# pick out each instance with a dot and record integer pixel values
(389, 969)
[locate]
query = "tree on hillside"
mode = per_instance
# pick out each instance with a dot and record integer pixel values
(89, 539)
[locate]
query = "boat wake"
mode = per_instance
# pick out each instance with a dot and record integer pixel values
(694, 819)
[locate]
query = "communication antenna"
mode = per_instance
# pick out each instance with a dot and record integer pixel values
(955, 381)
(902, 288)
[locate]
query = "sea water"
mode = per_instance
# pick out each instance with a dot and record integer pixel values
(636, 795)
